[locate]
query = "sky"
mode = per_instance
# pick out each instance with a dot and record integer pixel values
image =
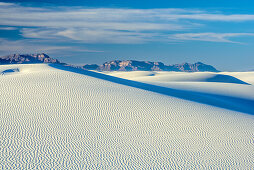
(216, 32)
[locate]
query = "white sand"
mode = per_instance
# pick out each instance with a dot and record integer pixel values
(235, 84)
(51, 118)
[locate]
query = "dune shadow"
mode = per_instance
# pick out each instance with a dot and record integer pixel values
(225, 79)
(226, 102)
(8, 71)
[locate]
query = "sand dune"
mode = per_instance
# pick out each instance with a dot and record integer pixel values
(238, 85)
(245, 76)
(153, 76)
(60, 117)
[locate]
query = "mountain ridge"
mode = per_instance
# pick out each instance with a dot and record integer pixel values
(27, 59)
(134, 65)
(115, 65)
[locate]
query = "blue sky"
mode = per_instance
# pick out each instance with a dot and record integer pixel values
(215, 32)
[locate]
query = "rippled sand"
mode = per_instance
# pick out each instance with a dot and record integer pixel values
(52, 118)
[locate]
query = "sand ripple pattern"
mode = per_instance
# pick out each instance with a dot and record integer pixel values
(51, 118)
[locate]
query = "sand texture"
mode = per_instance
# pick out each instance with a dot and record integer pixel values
(62, 118)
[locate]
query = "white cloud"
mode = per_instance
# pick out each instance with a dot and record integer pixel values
(26, 46)
(6, 4)
(212, 37)
(31, 46)
(113, 25)
(116, 19)
(8, 28)
(89, 35)
(210, 17)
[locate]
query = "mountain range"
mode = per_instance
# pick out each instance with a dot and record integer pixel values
(132, 65)
(116, 65)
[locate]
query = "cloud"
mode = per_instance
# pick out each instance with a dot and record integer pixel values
(26, 46)
(211, 17)
(6, 4)
(211, 37)
(32, 46)
(8, 28)
(116, 19)
(114, 25)
(88, 35)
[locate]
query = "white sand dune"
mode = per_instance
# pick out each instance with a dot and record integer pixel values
(245, 76)
(63, 118)
(180, 76)
(234, 84)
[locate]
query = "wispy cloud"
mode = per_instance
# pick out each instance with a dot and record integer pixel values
(32, 46)
(27, 46)
(211, 37)
(211, 17)
(6, 4)
(87, 35)
(8, 28)
(115, 25)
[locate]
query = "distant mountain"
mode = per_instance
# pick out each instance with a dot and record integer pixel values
(27, 59)
(196, 67)
(116, 65)
(132, 65)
